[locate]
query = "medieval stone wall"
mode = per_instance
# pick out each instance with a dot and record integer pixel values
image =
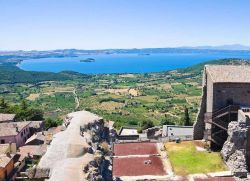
(199, 125)
(209, 98)
(230, 93)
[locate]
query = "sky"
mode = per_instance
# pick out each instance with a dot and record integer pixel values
(102, 24)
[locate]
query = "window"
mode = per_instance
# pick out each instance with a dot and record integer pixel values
(2, 141)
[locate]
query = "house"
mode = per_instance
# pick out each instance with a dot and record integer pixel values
(37, 126)
(6, 166)
(8, 148)
(174, 131)
(223, 119)
(15, 132)
(5, 118)
(226, 88)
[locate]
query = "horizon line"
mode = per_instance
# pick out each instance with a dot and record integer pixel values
(202, 47)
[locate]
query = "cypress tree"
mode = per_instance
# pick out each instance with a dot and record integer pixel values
(186, 117)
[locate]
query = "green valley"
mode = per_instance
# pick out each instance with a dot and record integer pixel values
(126, 99)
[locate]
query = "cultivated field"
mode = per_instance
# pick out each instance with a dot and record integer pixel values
(125, 99)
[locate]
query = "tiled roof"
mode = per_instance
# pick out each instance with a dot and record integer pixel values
(6, 117)
(4, 148)
(12, 128)
(229, 73)
(37, 150)
(4, 160)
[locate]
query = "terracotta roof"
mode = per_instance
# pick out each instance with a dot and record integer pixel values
(6, 117)
(4, 148)
(10, 129)
(4, 160)
(38, 150)
(228, 73)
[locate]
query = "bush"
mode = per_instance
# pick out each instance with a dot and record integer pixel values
(49, 123)
(167, 121)
(139, 130)
(147, 124)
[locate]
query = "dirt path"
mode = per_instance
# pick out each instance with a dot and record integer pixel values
(76, 99)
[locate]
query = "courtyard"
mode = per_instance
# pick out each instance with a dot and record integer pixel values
(186, 159)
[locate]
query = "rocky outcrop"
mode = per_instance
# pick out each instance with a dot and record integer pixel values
(77, 153)
(234, 148)
(154, 132)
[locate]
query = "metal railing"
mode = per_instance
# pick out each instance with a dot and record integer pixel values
(209, 116)
(229, 109)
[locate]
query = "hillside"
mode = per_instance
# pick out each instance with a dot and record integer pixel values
(11, 74)
(126, 99)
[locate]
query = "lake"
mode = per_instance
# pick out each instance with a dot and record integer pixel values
(125, 63)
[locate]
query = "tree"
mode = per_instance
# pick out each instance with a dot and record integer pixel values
(35, 114)
(147, 124)
(3, 104)
(186, 117)
(167, 121)
(24, 105)
(49, 123)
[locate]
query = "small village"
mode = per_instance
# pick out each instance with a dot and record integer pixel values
(87, 147)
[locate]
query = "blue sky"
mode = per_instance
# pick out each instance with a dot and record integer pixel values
(100, 24)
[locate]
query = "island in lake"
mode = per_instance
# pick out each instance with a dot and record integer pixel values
(88, 60)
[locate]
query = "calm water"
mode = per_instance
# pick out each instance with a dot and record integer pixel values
(124, 63)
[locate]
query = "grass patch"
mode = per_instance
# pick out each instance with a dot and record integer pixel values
(185, 159)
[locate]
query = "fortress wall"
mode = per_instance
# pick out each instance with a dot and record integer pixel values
(239, 93)
(199, 125)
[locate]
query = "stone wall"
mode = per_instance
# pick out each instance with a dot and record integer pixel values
(228, 93)
(199, 125)
(209, 93)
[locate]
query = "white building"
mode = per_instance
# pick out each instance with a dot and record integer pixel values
(174, 131)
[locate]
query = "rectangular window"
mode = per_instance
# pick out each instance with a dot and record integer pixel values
(2, 141)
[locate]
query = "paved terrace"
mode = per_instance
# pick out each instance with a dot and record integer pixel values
(134, 161)
(125, 149)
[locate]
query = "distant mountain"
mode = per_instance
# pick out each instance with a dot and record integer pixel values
(221, 47)
(21, 55)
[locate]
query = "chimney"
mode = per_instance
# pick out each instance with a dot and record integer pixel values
(8, 154)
